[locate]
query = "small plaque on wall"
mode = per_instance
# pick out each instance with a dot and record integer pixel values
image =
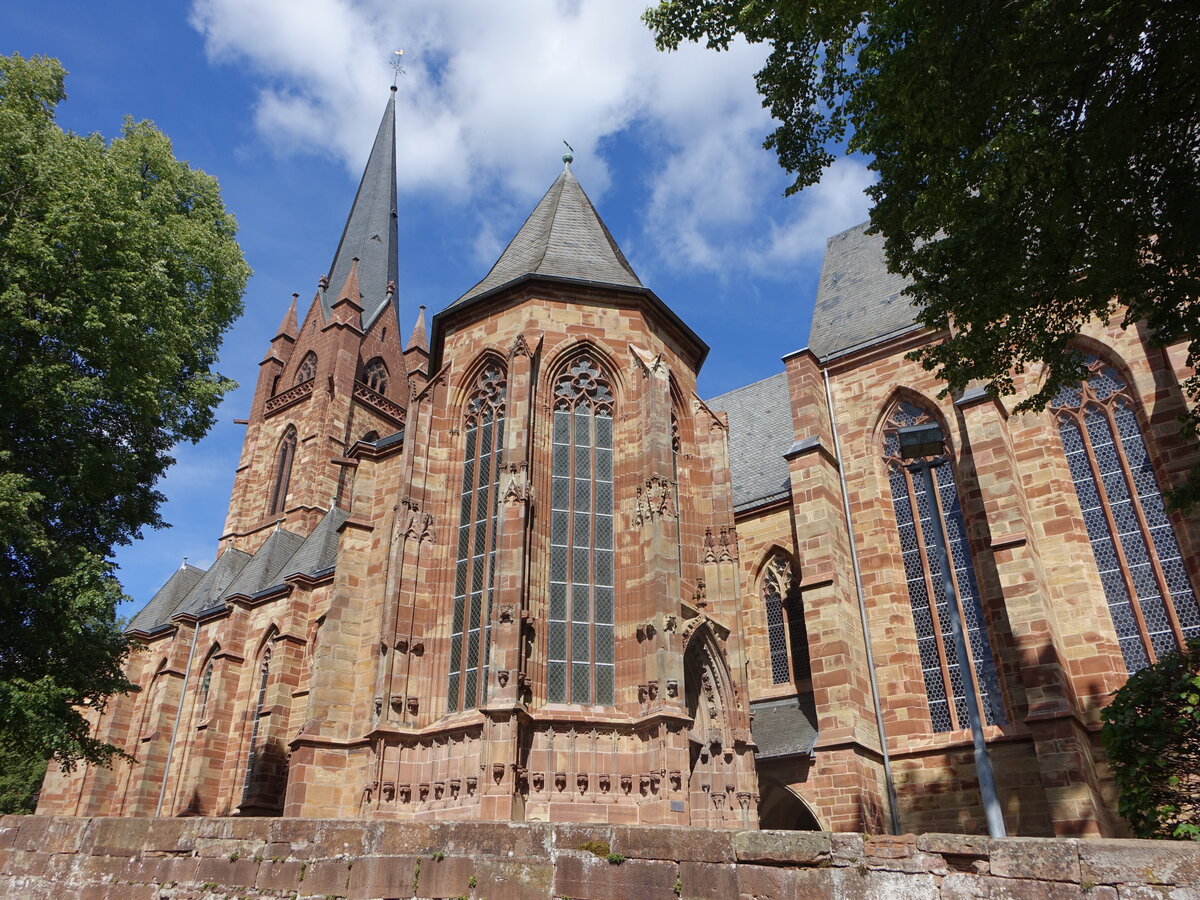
(676, 806)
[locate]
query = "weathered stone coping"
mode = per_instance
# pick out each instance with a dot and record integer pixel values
(206, 859)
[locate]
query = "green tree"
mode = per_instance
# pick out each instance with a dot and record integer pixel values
(1152, 735)
(119, 273)
(1038, 162)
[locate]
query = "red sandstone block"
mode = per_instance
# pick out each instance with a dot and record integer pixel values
(446, 877)
(1155, 862)
(502, 879)
(506, 839)
(119, 837)
(1046, 860)
(381, 876)
(325, 876)
(585, 877)
(239, 872)
(787, 847)
(673, 842)
(704, 881)
(961, 886)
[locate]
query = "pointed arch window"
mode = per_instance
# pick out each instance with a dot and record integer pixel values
(264, 676)
(1150, 596)
(580, 658)
(375, 375)
(283, 471)
(474, 568)
(915, 510)
(786, 639)
(307, 370)
(205, 688)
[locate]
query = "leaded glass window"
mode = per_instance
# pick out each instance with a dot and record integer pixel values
(375, 375)
(205, 686)
(264, 677)
(915, 511)
(786, 640)
(283, 472)
(307, 370)
(1149, 593)
(475, 563)
(581, 641)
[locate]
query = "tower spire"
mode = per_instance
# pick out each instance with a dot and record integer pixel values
(370, 232)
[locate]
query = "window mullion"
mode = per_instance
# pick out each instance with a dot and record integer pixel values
(935, 618)
(1135, 606)
(1135, 499)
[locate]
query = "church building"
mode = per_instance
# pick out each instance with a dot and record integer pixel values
(513, 567)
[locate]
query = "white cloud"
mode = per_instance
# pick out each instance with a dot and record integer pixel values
(491, 88)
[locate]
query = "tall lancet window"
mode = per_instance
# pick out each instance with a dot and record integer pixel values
(264, 677)
(283, 472)
(785, 622)
(474, 568)
(1150, 596)
(580, 653)
(915, 511)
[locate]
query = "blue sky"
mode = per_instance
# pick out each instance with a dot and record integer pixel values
(279, 99)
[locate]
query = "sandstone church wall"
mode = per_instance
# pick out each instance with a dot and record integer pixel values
(214, 859)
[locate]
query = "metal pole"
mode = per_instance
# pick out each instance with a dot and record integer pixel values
(983, 762)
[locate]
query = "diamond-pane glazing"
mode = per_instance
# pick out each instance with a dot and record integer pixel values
(922, 571)
(478, 525)
(1128, 493)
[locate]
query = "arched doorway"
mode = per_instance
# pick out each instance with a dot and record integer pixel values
(780, 808)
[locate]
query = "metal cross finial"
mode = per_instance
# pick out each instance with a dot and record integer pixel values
(397, 69)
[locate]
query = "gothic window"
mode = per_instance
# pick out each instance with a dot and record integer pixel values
(1149, 593)
(786, 639)
(252, 756)
(474, 568)
(308, 368)
(915, 511)
(375, 375)
(580, 651)
(283, 472)
(205, 686)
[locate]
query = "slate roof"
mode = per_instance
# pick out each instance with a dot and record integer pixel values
(370, 232)
(319, 550)
(563, 237)
(784, 727)
(264, 570)
(760, 432)
(164, 602)
(208, 590)
(858, 299)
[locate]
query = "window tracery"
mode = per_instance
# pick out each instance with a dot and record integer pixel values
(375, 375)
(786, 641)
(205, 686)
(1149, 593)
(474, 569)
(580, 658)
(914, 510)
(307, 370)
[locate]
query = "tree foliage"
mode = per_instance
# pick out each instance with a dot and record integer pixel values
(1152, 734)
(119, 273)
(1038, 162)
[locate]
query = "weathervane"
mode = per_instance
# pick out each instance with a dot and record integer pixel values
(569, 156)
(397, 69)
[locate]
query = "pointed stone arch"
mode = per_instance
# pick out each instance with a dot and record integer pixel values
(710, 700)
(782, 808)
(560, 358)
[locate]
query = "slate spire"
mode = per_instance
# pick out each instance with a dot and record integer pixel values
(370, 233)
(562, 238)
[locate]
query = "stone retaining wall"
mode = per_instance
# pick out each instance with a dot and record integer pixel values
(206, 859)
